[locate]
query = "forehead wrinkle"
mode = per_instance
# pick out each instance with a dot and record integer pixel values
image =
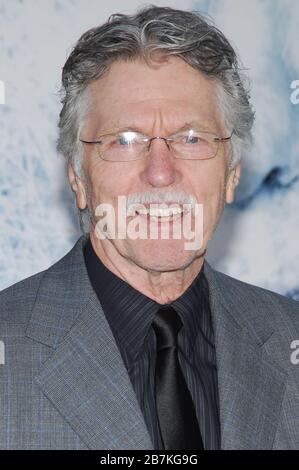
(149, 120)
(196, 125)
(155, 118)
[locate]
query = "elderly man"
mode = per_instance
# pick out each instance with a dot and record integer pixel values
(132, 340)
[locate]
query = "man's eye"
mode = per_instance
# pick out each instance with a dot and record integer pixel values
(192, 139)
(123, 141)
(126, 139)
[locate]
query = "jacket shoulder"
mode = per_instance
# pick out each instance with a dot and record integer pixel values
(260, 298)
(16, 301)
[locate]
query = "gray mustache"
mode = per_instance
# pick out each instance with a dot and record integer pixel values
(174, 197)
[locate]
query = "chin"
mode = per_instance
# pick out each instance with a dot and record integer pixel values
(161, 255)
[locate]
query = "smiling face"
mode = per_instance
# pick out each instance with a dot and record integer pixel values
(157, 100)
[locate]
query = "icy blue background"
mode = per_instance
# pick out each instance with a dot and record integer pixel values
(257, 240)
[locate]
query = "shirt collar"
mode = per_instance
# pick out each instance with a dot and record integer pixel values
(130, 313)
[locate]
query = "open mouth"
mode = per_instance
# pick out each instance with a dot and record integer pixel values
(159, 214)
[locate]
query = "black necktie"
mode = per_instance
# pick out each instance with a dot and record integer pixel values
(176, 413)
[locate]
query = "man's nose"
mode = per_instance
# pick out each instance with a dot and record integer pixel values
(160, 164)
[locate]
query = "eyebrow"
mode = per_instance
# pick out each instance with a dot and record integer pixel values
(136, 128)
(194, 125)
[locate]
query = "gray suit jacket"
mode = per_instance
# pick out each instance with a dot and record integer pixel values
(63, 384)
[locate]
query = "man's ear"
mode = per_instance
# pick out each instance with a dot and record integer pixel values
(232, 182)
(78, 187)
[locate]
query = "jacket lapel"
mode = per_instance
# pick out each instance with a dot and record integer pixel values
(251, 383)
(85, 377)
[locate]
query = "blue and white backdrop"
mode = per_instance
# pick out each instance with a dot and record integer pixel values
(258, 238)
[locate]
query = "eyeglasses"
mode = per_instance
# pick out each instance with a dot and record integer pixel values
(130, 145)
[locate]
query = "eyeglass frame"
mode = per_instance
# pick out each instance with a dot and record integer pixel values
(150, 139)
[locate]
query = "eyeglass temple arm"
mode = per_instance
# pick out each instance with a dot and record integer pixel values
(91, 141)
(224, 139)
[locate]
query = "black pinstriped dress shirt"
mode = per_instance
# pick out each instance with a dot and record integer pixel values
(130, 313)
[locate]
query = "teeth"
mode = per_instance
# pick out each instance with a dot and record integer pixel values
(155, 212)
(158, 211)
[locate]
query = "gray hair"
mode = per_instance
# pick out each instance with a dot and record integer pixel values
(170, 32)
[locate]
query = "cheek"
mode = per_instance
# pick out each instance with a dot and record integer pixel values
(211, 195)
(209, 183)
(105, 181)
